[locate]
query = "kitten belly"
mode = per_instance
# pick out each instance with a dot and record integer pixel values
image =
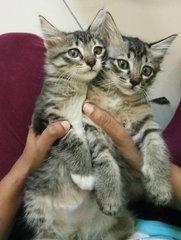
(67, 215)
(84, 213)
(86, 218)
(70, 213)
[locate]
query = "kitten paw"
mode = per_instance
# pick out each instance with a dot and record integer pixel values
(160, 192)
(111, 207)
(84, 182)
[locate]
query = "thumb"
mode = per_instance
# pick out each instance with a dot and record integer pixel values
(53, 132)
(103, 119)
(116, 132)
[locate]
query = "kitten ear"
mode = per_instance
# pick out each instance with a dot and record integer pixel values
(160, 48)
(50, 33)
(104, 27)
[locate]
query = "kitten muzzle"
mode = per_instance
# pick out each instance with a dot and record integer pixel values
(135, 82)
(91, 62)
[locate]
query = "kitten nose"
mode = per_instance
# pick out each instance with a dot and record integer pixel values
(135, 81)
(91, 62)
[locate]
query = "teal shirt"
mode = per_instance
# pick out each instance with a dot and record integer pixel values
(156, 228)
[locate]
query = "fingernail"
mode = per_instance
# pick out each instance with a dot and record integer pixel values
(88, 108)
(66, 125)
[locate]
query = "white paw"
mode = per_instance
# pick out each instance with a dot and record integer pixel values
(84, 182)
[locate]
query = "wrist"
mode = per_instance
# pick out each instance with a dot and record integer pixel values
(175, 174)
(21, 169)
(11, 186)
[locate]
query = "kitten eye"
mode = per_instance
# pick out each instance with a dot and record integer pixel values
(123, 64)
(98, 50)
(74, 53)
(147, 71)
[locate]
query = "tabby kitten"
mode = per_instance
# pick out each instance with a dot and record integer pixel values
(121, 88)
(55, 207)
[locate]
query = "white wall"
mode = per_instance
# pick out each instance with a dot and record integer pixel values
(149, 19)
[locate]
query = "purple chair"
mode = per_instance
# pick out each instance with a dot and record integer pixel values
(21, 78)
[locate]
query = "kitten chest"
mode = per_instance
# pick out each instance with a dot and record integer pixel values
(124, 111)
(70, 109)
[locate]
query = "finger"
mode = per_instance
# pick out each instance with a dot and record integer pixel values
(53, 132)
(31, 124)
(112, 127)
(31, 133)
(116, 132)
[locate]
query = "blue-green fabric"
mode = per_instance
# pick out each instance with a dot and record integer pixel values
(156, 228)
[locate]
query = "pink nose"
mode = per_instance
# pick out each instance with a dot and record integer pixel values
(91, 62)
(135, 81)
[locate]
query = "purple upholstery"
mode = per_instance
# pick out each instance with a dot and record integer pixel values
(21, 76)
(172, 135)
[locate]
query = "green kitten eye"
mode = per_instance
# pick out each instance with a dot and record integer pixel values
(74, 53)
(98, 50)
(123, 64)
(147, 71)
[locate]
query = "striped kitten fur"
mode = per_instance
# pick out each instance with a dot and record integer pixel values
(121, 89)
(58, 200)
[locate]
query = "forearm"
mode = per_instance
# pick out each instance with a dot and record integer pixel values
(176, 180)
(11, 186)
(118, 134)
(125, 144)
(11, 189)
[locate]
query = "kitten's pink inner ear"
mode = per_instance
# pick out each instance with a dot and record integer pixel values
(45, 44)
(49, 43)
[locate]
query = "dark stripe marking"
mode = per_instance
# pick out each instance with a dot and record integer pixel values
(141, 123)
(146, 133)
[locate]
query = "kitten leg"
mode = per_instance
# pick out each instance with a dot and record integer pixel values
(75, 153)
(44, 238)
(123, 228)
(156, 168)
(44, 234)
(49, 238)
(108, 187)
(48, 234)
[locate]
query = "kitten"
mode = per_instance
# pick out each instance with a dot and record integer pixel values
(55, 207)
(121, 89)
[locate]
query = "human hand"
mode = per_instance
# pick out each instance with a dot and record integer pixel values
(11, 186)
(117, 133)
(37, 146)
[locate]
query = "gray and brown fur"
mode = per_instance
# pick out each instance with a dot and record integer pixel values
(58, 200)
(121, 89)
